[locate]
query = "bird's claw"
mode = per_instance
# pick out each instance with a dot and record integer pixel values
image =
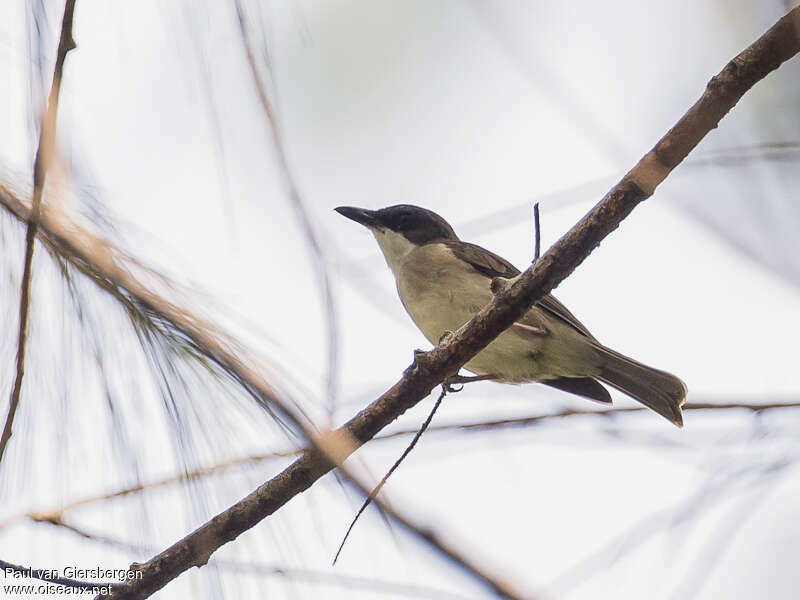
(446, 337)
(450, 388)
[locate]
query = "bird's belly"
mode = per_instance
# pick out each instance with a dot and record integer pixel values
(444, 301)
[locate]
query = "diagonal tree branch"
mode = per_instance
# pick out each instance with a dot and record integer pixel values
(777, 45)
(97, 259)
(44, 153)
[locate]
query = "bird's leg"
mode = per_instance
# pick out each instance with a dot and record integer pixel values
(447, 388)
(530, 328)
(448, 383)
(470, 378)
(499, 285)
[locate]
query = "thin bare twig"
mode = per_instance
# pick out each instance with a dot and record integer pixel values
(376, 490)
(44, 154)
(537, 242)
(580, 412)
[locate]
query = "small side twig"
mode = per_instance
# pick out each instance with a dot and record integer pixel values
(44, 153)
(537, 247)
(374, 493)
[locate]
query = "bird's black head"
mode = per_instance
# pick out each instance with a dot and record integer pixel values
(418, 225)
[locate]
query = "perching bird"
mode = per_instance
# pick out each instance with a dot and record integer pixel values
(443, 282)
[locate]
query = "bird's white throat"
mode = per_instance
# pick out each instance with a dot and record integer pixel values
(395, 247)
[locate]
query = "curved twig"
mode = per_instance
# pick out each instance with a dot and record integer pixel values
(44, 154)
(376, 490)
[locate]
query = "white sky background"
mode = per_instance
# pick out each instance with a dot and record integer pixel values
(474, 110)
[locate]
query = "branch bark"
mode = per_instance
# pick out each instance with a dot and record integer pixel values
(44, 154)
(777, 45)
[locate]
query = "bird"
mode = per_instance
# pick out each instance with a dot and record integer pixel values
(443, 282)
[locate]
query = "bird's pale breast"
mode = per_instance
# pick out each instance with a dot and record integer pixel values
(441, 293)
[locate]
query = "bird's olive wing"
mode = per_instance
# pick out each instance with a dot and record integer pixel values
(554, 307)
(482, 260)
(491, 265)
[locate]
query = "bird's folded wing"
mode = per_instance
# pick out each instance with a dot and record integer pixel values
(491, 265)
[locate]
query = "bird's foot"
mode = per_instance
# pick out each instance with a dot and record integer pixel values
(498, 285)
(470, 378)
(446, 337)
(449, 383)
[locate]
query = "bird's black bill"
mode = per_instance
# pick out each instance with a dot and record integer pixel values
(360, 215)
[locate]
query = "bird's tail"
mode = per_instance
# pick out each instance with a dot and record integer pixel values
(658, 390)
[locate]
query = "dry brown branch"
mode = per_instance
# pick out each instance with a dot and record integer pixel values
(113, 272)
(44, 154)
(777, 45)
